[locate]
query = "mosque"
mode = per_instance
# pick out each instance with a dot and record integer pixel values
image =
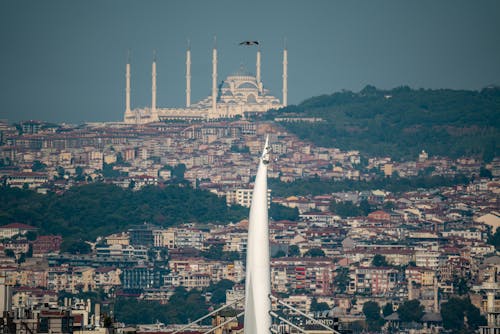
(240, 94)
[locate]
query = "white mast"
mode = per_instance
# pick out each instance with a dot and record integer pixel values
(127, 84)
(188, 76)
(153, 84)
(258, 71)
(285, 76)
(214, 78)
(258, 276)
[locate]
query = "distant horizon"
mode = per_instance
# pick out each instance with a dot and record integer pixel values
(65, 61)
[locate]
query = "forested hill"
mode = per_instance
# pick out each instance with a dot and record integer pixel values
(85, 212)
(402, 122)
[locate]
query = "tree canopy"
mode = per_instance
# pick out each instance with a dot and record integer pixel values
(401, 122)
(182, 306)
(374, 320)
(454, 311)
(85, 212)
(411, 310)
(314, 252)
(318, 186)
(379, 261)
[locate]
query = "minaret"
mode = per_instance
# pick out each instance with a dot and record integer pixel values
(188, 76)
(258, 276)
(257, 72)
(153, 84)
(285, 76)
(214, 78)
(127, 84)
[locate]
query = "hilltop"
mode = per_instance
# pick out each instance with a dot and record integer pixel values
(402, 121)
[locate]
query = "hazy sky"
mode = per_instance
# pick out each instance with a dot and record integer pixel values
(65, 60)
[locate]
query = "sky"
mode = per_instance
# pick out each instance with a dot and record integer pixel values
(64, 60)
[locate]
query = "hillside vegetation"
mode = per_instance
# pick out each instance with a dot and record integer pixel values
(85, 212)
(402, 122)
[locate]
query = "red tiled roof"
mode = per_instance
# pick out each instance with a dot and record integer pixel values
(19, 226)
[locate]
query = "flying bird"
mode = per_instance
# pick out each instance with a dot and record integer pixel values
(247, 43)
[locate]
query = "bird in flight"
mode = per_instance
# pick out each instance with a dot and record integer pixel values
(249, 43)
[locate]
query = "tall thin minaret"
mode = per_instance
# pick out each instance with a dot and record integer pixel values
(153, 84)
(257, 72)
(188, 75)
(258, 272)
(127, 84)
(285, 76)
(214, 78)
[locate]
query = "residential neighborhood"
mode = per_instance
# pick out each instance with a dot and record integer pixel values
(424, 244)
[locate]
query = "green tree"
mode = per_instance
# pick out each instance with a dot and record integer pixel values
(495, 239)
(9, 252)
(293, 251)
(341, 279)
(60, 172)
(346, 209)
(281, 212)
(483, 172)
(371, 311)
(461, 284)
(411, 310)
(38, 166)
(215, 252)
(388, 206)
(455, 310)
(75, 246)
(278, 254)
(318, 307)
(109, 172)
(315, 252)
(379, 261)
(218, 291)
(31, 236)
(365, 207)
(22, 258)
(388, 309)
(178, 172)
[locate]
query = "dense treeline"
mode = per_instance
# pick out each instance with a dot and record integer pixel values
(85, 212)
(401, 122)
(318, 186)
(182, 307)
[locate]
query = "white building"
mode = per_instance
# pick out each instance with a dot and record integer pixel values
(240, 94)
(243, 197)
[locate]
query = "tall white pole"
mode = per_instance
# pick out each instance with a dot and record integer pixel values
(258, 70)
(127, 84)
(285, 77)
(214, 79)
(188, 76)
(153, 84)
(258, 272)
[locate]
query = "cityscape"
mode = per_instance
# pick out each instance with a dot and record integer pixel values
(255, 209)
